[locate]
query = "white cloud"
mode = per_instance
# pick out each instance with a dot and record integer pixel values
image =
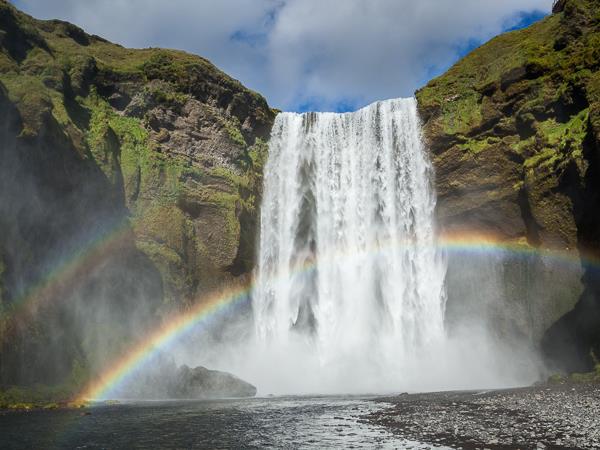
(321, 52)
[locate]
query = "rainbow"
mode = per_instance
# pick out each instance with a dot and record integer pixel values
(55, 283)
(170, 331)
(225, 301)
(480, 243)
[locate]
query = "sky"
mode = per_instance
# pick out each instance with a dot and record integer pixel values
(319, 55)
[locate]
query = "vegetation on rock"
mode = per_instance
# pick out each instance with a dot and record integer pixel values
(155, 146)
(513, 130)
(164, 151)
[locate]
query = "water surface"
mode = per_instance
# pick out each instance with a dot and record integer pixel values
(282, 422)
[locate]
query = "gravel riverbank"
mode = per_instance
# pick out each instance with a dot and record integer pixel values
(565, 416)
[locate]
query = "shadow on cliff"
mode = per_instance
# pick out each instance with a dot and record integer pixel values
(573, 343)
(73, 286)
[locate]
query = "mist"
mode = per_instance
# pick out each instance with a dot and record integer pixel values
(474, 352)
(408, 313)
(369, 317)
(76, 291)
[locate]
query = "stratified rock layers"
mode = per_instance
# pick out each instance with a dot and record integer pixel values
(130, 182)
(514, 134)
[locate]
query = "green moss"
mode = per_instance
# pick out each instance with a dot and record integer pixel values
(46, 397)
(556, 379)
(163, 223)
(474, 146)
(524, 146)
(559, 134)
(542, 156)
(232, 127)
(173, 100)
(35, 397)
(588, 377)
(32, 99)
(172, 269)
(147, 174)
(577, 378)
(563, 141)
(7, 64)
(236, 180)
(258, 154)
(102, 140)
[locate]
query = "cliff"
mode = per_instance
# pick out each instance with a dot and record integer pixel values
(141, 167)
(130, 182)
(514, 131)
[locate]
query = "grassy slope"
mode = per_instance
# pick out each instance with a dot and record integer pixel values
(525, 101)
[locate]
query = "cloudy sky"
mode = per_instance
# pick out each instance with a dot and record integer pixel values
(334, 55)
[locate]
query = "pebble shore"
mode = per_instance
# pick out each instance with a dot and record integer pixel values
(565, 416)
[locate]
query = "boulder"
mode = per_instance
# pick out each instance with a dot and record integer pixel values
(202, 383)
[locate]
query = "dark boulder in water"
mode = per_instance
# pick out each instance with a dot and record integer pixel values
(164, 379)
(200, 382)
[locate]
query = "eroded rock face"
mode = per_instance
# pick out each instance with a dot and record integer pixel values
(151, 158)
(513, 131)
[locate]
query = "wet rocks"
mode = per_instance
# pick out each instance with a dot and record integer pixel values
(166, 380)
(563, 416)
(200, 382)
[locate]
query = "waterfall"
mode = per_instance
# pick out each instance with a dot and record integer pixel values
(349, 276)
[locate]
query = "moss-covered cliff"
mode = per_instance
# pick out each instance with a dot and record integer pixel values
(146, 164)
(514, 133)
(130, 182)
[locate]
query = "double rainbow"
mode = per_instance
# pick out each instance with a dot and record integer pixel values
(226, 301)
(170, 331)
(57, 282)
(65, 274)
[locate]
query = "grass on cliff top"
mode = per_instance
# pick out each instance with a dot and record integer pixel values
(176, 66)
(47, 50)
(458, 90)
(553, 70)
(61, 40)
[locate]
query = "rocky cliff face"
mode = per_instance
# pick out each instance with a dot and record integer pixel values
(141, 166)
(514, 132)
(130, 182)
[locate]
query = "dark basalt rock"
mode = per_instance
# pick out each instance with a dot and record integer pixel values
(558, 6)
(202, 383)
(163, 379)
(157, 144)
(513, 130)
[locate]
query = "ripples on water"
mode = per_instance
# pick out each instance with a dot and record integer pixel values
(315, 423)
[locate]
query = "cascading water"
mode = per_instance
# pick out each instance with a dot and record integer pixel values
(350, 282)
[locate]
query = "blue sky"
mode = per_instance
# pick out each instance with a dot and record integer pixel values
(521, 19)
(333, 55)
